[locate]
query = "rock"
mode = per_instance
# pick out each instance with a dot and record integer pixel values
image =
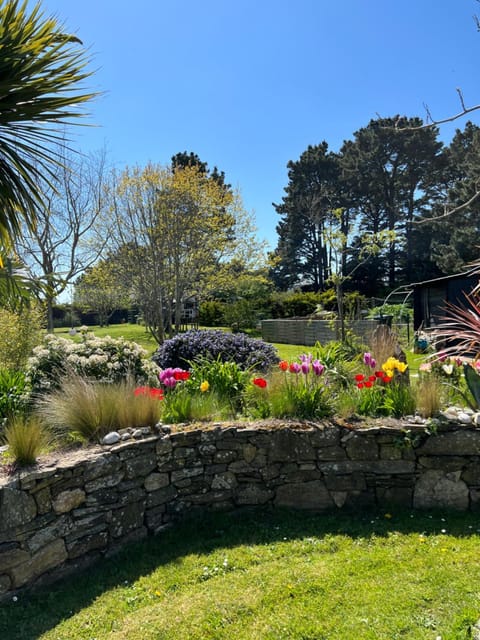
(435, 489)
(156, 481)
(68, 500)
(464, 418)
(52, 555)
(111, 438)
(16, 508)
(304, 495)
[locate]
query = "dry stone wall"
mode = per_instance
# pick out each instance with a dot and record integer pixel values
(56, 519)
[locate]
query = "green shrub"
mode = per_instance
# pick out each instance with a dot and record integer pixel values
(20, 332)
(211, 313)
(105, 359)
(290, 305)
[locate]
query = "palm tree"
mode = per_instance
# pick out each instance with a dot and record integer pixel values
(42, 69)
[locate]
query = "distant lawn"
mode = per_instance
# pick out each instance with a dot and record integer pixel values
(265, 575)
(140, 335)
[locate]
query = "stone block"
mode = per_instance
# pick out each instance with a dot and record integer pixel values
(252, 494)
(68, 500)
(464, 442)
(5, 584)
(88, 543)
(226, 481)
(59, 528)
(49, 557)
(105, 482)
(140, 465)
(304, 495)
(43, 500)
(161, 496)
(360, 447)
(106, 465)
(398, 496)
(334, 452)
(12, 558)
(17, 508)
(289, 445)
(156, 481)
(164, 447)
(127, 519)
(224, 456)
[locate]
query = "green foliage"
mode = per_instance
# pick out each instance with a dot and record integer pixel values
(290, 305)
(399, 312)
(399, 400)
(14, 394)
(20, 332)
(472, 379)
(226, 379)
(241, 314)
(26, 437)
(183, 404)
(211, 313)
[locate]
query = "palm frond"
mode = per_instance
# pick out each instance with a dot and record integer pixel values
(42, 69)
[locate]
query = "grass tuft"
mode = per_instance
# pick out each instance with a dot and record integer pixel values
(27, 438)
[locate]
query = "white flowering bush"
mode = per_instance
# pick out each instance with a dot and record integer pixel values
(105, 359)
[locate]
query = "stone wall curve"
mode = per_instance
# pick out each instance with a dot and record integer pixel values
(56, 519)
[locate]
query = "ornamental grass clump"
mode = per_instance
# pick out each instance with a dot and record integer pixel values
(86, 410)
(27, 438)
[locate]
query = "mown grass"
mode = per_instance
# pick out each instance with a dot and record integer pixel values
(138, 334)
(272, 575)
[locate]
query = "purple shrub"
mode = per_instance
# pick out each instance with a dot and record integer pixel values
(246, 352)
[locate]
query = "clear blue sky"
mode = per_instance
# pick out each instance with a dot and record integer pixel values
(249, 84)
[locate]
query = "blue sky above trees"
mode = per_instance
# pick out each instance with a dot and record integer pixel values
(249, 85)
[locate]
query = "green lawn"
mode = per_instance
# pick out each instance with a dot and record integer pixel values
(138, 334)
(263, 575)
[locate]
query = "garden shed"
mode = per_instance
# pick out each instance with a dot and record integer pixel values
(430, 297)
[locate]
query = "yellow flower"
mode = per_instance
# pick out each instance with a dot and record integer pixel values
(205, 386)
(391, 364)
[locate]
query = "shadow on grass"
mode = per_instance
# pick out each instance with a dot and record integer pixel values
(40, 609)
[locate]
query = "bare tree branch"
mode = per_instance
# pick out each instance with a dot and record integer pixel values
(447, 213)
(433, 123)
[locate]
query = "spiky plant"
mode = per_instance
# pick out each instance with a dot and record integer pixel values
(42, 68)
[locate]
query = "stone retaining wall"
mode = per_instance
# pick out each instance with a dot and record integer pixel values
(55, 519)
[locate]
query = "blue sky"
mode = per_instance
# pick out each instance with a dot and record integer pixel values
(248, 85)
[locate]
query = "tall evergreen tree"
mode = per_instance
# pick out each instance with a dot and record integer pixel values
(312, 194)
(388, 168)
